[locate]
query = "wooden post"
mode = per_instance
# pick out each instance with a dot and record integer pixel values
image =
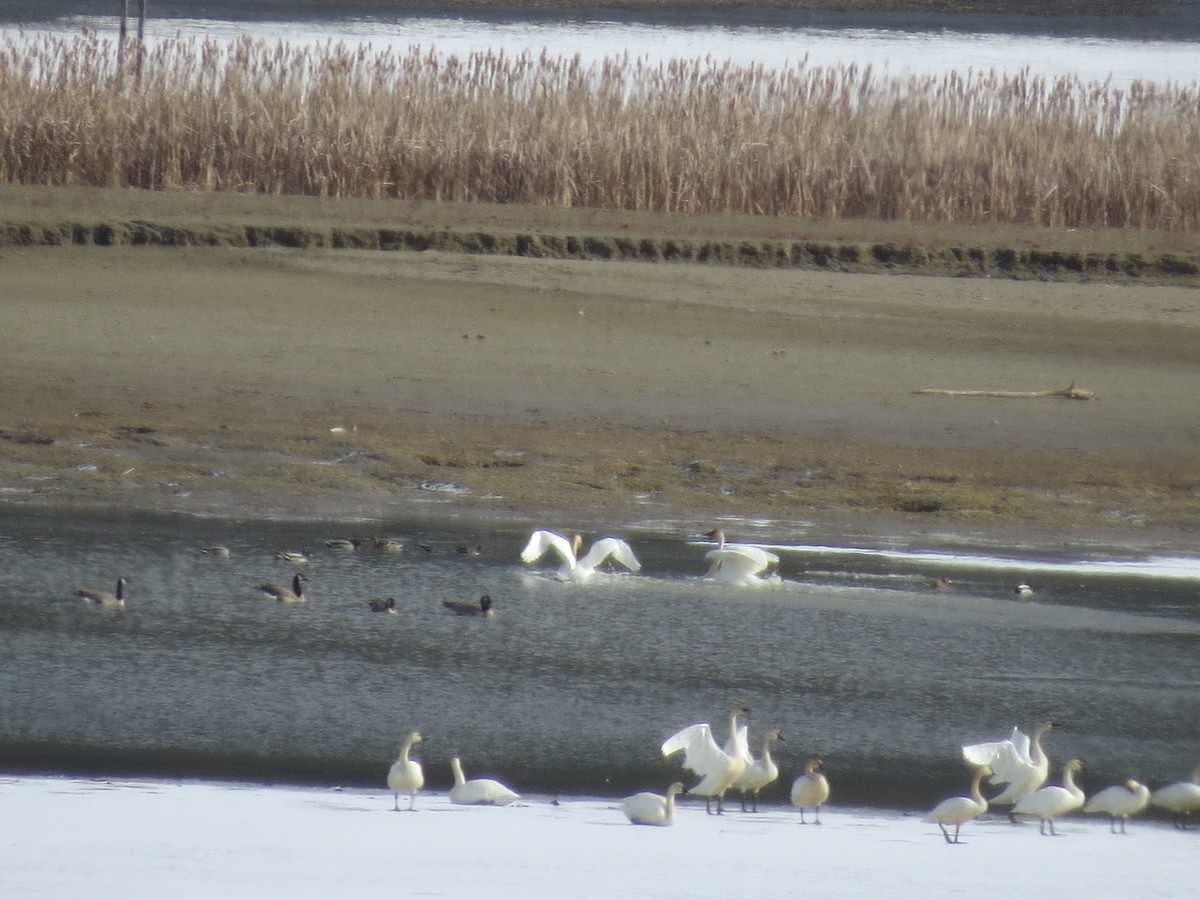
(141, 47)
(123, 32)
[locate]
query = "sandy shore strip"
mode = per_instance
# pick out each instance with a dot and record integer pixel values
(78, 837)
(340, 383)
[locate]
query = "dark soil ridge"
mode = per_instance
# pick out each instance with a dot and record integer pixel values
(1181, 269)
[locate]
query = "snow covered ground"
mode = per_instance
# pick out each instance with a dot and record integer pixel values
(74, 837)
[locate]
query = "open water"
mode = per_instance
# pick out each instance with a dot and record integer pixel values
(1158, 49)
(571, 688)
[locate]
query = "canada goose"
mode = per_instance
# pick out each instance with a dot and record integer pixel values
(294, 594)
(738, 563)
(481, 610)
(811, 789)
(216, 550)
(406, 775)
(104, 598)
(380, 605)
(292, 556)
(718, 768)
(574, 567)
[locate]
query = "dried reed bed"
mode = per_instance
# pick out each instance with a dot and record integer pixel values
(687, 137)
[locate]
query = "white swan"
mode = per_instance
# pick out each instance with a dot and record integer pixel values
(574, 567)
(294, 594)
(737, 563)
(1019, 763)
(1180, 799)
(1119, 802)
(957, 811)
(406, 775)
(107, 599)
(1052, 801)
(648, 808)
(811, 790)
(718, 770)
(758, 772)
(478, 791)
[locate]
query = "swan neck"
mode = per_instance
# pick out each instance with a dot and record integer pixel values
(976, 786)
(456, 767)
(1069, 778)
(407, 746)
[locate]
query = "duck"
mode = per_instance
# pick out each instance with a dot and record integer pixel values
(481, 610)
(759, 772)
(1180, 799)
(1023, 591)
(348, 544)
(108, 599)
(380, 605)
(742, 564)
(648, 808)
(718, 768)
(406, 775)
(576, 568)
(292, 556)
(1119, 802)
(941, 584)
(1052, 801)
(467, 550)
(478, 791)
(218, 550)
(957, 811)
(1017, 762)
(294, 594)
(811, 790)
(388, 545)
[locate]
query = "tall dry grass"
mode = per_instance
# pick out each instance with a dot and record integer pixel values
(688, 136)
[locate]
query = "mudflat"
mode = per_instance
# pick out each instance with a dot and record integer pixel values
(272, 381)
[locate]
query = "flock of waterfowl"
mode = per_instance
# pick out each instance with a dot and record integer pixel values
(1017, 765)
(730, 563)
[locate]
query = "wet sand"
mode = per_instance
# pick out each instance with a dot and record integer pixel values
(360, 383)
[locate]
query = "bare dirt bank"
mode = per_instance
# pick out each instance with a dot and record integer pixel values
(256, 381)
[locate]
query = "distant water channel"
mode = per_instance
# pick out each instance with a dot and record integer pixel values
(1096, 55)
(853, 654)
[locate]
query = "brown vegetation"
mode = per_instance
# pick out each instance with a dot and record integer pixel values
(685, 137)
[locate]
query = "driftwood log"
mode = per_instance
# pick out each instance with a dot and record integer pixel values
(1070, 393)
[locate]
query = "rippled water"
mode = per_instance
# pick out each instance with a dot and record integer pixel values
(571, 688)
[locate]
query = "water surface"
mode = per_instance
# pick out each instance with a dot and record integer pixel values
(571, 688)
